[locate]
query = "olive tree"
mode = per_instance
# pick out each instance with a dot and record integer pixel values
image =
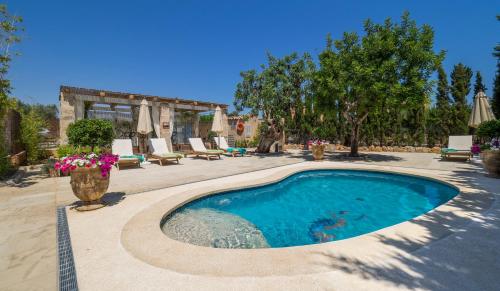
(281, 93)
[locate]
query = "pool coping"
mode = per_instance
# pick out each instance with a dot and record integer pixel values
(142, 237)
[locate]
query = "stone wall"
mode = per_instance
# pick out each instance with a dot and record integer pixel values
(66, 115)
(12, 132)
(165, 124)
(402, 149)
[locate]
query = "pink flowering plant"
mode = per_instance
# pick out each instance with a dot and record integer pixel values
(104, 161)
(317, 142)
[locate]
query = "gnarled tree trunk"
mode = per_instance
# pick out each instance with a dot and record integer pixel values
(354, 140)
(355, 127)
(268, 138)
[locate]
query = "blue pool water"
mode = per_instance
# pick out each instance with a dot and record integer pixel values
(306, 208)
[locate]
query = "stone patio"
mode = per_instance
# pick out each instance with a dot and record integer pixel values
(465, 258)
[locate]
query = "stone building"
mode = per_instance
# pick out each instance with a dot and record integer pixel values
(174, 119)
(251, 126)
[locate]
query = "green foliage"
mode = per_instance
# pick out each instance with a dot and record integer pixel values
(496, 50)
(91, 132)
(241, 143)
(46, 111)
(31, 126)
(211, 135)
(485, 147)
(479, 85)
(246, 143)
(9, 35)
(5, 166)
(206, 118)
(495, 100)
(439, 124)
(281, 87)
(460, 87)
(69, 150)
(65, 150)
(380, 81)
(489, 129)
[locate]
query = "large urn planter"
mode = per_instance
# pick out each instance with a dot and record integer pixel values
(89, 177)
(491, 160)
(318, 151)
(89, 186)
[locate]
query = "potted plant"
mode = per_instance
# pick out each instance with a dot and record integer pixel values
(317, 149)
(490, 130)
(89, 176)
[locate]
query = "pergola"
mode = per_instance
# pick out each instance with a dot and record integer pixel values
(166, 112)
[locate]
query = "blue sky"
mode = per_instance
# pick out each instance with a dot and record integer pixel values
(196, 49)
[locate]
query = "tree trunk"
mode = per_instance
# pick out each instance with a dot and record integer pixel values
(354, 140)
(265, 144)
(266, 140)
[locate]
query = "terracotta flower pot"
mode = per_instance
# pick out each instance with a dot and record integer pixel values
(491, 161)
(318, 151)
(89, 186)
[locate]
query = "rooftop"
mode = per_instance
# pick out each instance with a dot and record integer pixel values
(132, 96)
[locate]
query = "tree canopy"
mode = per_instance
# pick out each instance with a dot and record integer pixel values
(280, 92)
(383, 76)
(460, 87)
(479, 85)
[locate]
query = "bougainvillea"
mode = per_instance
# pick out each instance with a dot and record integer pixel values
(104, 161)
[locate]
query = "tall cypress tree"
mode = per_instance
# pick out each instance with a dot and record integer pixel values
(460, 87)
(479, 85)
(495, 99)
(443, 90)
(443, 109)
(496, 51)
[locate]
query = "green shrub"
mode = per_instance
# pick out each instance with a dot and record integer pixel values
(69, 150)
(91, 132)
(485, 147)
(207, 118)
(489, 129)
(211, 135)
(241, 143)
(31, 126)
(5, 166)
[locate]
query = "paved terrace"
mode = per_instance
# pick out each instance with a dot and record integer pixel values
(28, 257)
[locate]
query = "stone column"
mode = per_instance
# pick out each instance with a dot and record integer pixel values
(225, 123)
(165, 120)
(79, 109)
(196, 125)
(135, 117)
(67, 116)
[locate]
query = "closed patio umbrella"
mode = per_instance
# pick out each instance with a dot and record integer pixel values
(144, 122)
(481, 110)
(217, 125)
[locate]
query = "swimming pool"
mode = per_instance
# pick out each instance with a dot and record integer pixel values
(309, 207)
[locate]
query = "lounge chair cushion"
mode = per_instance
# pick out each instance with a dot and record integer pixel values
(240, 150)
(222, 143)
(133, 157)
(169, 155)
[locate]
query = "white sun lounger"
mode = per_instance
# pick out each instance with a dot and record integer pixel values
(159, 150)
(123, 148)
(199, 149)
(222, 144)
(459, 146)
